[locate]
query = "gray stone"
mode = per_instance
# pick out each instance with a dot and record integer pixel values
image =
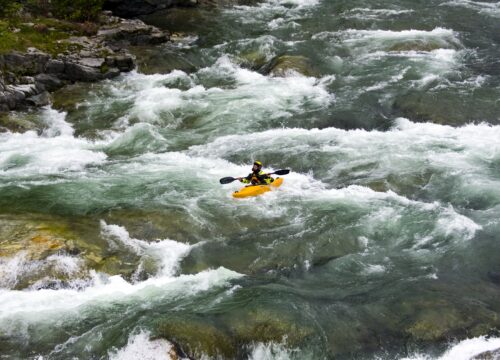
(124, 62)
(26, 89)
(77, 72)
(40, 99)
(91, 62)
(50, 82)
(27, 80)
(30, 63)
(111, 73)
(55, 67)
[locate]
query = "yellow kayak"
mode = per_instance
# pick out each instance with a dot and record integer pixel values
(256, 190)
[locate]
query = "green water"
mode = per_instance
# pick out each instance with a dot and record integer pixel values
(115, 233)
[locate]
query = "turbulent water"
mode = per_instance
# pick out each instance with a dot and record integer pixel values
(117, 238)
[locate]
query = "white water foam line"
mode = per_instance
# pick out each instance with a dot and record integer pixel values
(464, 350)
(487, 8)
(42, 304)
(467, 147)
(374, 14)
(50, 305)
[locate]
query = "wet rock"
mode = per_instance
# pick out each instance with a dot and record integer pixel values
(488, 355)
(494, 276)
(287, 64)
(124, 63)
(40, 99)
(265, 326)
(77, 72)
(50, 82)
(14, 123)
(197, 338)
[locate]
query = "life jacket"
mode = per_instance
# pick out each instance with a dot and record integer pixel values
(258, 179)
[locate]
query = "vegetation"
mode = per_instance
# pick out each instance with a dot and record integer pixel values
(43, 23)
(40, 35)
(75, 10)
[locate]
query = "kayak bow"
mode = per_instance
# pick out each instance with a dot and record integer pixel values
(256, 190)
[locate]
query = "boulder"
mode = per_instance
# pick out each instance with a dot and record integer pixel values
(488, 355)
(131, 32)
(124, 62)
(50, 82)
(55, 67)
(41, 99)
(197, 338)
(77, 72)
(30, 63)
(287, 64)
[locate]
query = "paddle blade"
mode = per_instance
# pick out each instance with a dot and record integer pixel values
(227, 180)
(282, 172)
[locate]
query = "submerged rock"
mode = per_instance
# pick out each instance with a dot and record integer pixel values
(197, 338)
(286, 64)
(488, 355)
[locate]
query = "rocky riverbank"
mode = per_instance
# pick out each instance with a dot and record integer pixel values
(27, 78)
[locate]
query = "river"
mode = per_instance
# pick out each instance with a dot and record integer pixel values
(116, 235)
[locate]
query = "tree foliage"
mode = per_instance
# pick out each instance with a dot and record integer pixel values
(75, 10)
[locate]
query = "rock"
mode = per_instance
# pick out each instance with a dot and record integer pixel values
(286, 64)
(55, 67)
(111, 73)
(132, 32)
(77, 72)
(30, 63)
(488, 355)
(197, 338)
(124, 62)
(50, 82)
(91, 62)
(494, 276)
(261, 325)
(40, 99)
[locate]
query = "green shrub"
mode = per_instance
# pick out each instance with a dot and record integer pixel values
(9, 8)
(77, 10)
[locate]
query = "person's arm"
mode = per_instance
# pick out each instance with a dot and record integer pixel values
(265, 178)
(245, 180)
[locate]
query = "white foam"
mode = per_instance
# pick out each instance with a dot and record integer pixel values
(251, 96)
(29, 154)
(487, 8)
(139, 346)
(13, 270)
(270, 351)
(46, 304)
(373, 14)
(453, 224)
(464, 350)
(167, 252)
(56, 122)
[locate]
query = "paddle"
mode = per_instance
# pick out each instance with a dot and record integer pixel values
(229, 179)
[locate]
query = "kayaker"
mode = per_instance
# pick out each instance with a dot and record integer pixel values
(257, 176)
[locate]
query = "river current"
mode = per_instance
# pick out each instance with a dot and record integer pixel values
(382, 243)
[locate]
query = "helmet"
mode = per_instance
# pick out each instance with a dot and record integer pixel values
(258, 163)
